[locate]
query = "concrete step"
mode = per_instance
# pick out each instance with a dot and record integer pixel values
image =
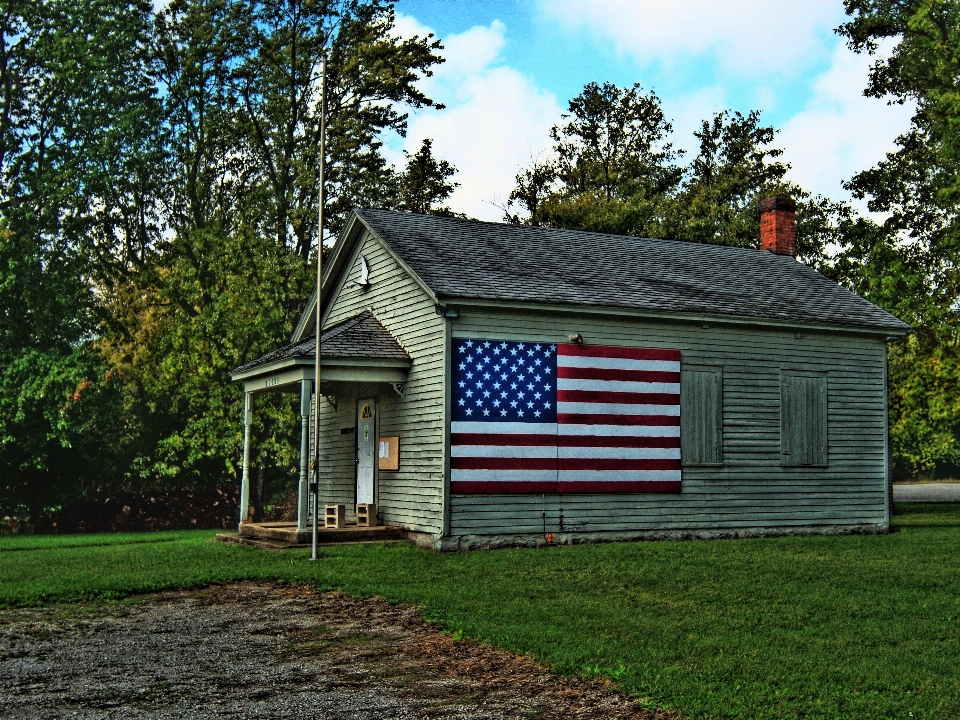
(253, 542)
(285, 533)
(276, 537)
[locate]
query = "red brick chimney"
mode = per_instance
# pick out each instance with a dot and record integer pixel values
(778, 225)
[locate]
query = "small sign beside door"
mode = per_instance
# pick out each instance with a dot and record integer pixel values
(389, 453)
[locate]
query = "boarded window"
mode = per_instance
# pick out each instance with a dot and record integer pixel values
(701, 416)
(803, 419)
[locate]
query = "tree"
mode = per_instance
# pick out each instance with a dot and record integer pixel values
(371, 81)
(736, 167)
(612, 165)
(908, 264)
(158, 214)
(613, 170)
(226, 281)
(74, 144)
(426, 183)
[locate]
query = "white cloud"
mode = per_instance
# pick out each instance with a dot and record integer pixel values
(840, 131)
(748, 37)
(496, 118)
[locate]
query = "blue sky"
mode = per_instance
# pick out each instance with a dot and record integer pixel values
(512, 66)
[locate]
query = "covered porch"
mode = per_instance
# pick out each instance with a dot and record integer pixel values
(359, 357)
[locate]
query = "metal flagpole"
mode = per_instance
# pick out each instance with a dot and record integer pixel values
(316, 376)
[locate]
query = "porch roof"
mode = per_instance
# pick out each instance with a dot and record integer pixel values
(358, 349)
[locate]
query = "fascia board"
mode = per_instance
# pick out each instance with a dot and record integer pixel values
(564, 309)
(287, 363)
(430, 293)
(365, 362)
(351, 258)
(270, 368)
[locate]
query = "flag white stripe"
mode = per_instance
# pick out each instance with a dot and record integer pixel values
(620, 430)
(617, 409)
(617, 475)
(617, 386)
(618, 363)
(506, 451)
(504, 475)
(618, 453)
(494, 428)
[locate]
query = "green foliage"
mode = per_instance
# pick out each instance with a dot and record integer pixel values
(735, 169)
(58, 401)
(226, 282)
(814, 627)
(74, 137)
(158, 192)
(426, 183)
(612, 167)
(909, 263)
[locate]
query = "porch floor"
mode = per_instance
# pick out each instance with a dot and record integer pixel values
(281, 535)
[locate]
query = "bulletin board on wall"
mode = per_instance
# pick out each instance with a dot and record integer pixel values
(389, 452)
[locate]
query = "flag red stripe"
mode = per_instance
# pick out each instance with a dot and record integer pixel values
(633, 420)
(606, 486)
(509, 440)
(613, 464)
(502, 463)
(497, 487)
(623, 441)
(602, 396)
(472, 487)
(617, 464)
(504, 439)
(589, 373)
(625, 353)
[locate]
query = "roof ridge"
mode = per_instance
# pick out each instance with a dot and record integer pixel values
(547, 229)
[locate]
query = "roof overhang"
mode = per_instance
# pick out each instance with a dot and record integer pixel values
(767, 323)
(287, 374)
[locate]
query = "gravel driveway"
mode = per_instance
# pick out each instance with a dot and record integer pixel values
(263, 651)
(927, 492)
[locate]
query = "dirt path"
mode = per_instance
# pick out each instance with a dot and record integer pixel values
(260, 651)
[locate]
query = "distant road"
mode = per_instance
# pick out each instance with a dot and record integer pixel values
(927, 492)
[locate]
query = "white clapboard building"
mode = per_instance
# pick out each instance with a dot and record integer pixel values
(488, 384)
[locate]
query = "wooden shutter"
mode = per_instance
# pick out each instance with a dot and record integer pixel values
(701, 416)
(803, 419)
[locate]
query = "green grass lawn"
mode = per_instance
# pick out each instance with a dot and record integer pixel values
(817, 627)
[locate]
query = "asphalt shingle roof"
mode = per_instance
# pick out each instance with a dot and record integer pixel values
(495, 261)
(361, 336)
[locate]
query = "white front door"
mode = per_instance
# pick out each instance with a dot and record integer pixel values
(366, 448)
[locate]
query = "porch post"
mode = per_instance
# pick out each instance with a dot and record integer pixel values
(303, 498)
(245, 482)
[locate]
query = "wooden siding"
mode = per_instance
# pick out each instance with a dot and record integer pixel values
(751, 490)
(412, 496)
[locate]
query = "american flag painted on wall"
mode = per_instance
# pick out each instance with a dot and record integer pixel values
(545, 418)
